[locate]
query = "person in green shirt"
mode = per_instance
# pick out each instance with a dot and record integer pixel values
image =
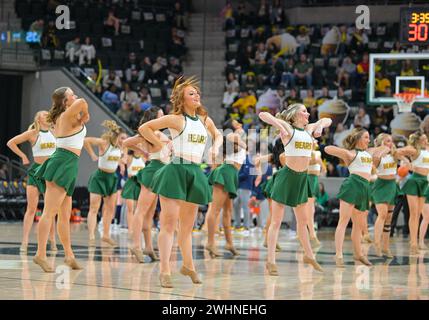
(304, 70)
(323, 197)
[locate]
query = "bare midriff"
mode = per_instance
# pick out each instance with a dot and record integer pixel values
(315, 173)
(299, 164)
(189, 157)
(74, 150)
(107, 171)
(40, 160)
(366, 176)
(387, 177)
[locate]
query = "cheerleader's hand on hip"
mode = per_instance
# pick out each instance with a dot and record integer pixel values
(25, 161)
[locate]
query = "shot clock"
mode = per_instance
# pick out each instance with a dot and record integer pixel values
(414, 28)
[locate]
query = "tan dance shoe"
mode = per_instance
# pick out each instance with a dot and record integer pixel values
(138, 254)
(313, 263)
(72, 263)
(272, 269)
(43, 264)
(190, 273)
(165, 280)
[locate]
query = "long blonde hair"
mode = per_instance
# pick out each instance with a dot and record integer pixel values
(289, 113)
(378, 141)
(414, 140)
(176, 97)
(58, 104)
(36, 123)
(352, 139)
(113, 131)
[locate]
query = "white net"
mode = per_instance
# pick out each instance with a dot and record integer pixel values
(405, 101)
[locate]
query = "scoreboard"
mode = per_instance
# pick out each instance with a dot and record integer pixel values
(414, 26)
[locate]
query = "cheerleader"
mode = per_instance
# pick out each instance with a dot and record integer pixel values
(354, 193)
(131, 190)
(315, 168)
(224, 180)
(68, 115)
(147, 201)
(181, 184)
(416, 185)
(103, 182)
(385, 192)
(291, 186)
(42, 146)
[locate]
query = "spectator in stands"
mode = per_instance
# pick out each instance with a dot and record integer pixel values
(250, 119)
(330, 42)
(282, 44)
(344, 40)
(73, 49)
(132, 70)
(378, 119)
(245, 101)
(229, 97)
(232, 82)
(94, 86)
(37, 26)
(113, 21)
(262, 13)
(331, 170)
(303, 40)
(87, 52)
(124, 113)
(407, 68)
(180, 16)
(363, 70)
(178, 48)
(235, 114)
(260, 66)
(281, 96)
(310, 102)
(159, 70)
(110, 79)
(420, 111)
(227, 14)
(341, 95)
(359, 41)
(174, 69)
(288, 76)
(128, 95)
(293, 97)
(277, 13)
(144, 96)
(304, 70)
(322, 198)
(362, 119)
(111, 99)
(392, 68)
(324, 96)
(339, 135)
(249, 82)
(277, 69)
(242, 12)
(4, 175)
(397, 48)
(146, 67)
(346, 72)
(381, 83)
(260, 35)
(50, 39)
(136, 115)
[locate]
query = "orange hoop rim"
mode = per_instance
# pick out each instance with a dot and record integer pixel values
(407, 97)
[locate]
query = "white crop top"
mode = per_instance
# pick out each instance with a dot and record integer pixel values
(73, 141)
(109, 161)
(300, 145)
(192, 140)
(422, 160)
(45, 144)
(136, 165)
(387, 166)
(239, 157)
(361, 163)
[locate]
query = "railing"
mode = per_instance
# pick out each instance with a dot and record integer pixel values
(15, 169)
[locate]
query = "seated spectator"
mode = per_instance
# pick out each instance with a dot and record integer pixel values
(177, 47)
(339, 135)
(232, 82)
(124, 113)
(381, 83)
(262, 13)
(281, 96)
(128, 95)
(37, 26)
(227, 14)
(293, 97)
(250, 118)
(73, 49)
(282, 44)
(304, 70)
(111, 99)
(260, 67)
(346, 72)
(310, 102)
(341, 95)
(242, 12)
(362, 119)
(407, 68)
(288, 76)
(146, 67)
(397, 48)
(174, 69)
(330, 42)
(49, 37)
(112, 21)
(144, 96)
(277, 16)
(378, 119)
(132, 70)
(136, 115)
(420, 111)
(180, 16)
(159, 70)
(110, 79)
(246, 59)
(331, 170)
(245, 101)
(392, 68)
(276, 72)
(249, 82)
(87, 52)
(303, 40)
(94, 86)
(229, 97)
(363, 69)
(323, 197)
(235, 114)
(324, 96)
(4, 174)
(359, 41)
(344, 40)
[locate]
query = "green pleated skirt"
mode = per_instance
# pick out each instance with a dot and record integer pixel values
(131, 189)
(227, 176)
(145, 175)
(356, 190)
(385, 191)
(32, 180)
(314, 184)
(103, 183)
(416, 185)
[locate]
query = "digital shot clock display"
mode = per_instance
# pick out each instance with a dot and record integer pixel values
(414, 26)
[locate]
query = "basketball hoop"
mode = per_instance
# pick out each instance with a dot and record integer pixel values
(405, 101)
